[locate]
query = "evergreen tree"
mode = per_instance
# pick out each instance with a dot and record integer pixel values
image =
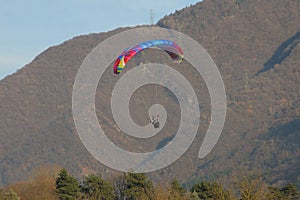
(67, 187)
(194, 196)
(211, 191)
(94, 187)
(176, 188)
(204, 190)
(11, 195)
(138, 186)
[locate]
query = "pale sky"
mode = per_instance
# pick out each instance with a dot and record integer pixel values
(28, 27)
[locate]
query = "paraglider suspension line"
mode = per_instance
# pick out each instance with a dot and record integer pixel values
(156, 97)
(145, 105)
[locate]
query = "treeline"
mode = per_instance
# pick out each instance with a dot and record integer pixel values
(52, 183)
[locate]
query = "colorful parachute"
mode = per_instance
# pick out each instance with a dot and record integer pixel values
(168, 46)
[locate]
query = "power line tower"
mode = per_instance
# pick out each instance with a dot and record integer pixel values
(151, 17)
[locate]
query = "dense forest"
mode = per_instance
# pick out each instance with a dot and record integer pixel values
(51, 182)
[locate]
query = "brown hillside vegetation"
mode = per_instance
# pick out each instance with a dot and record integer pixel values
(262, 129)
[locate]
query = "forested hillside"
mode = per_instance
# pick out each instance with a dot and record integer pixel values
(255, 44)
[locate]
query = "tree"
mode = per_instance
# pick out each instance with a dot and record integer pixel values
(67, 187)
(210, 191)
(161, 192)
(221, 194)
(274, 193)
(138, 186)
(252, 189)
(290, 192)
(194, 196)
(94, 187)
(41, 184)
(176, 189)
(203, 189)
(11, 195)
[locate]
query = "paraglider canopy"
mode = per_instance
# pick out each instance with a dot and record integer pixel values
(170, 47)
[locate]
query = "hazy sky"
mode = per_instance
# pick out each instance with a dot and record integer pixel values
(29, 27)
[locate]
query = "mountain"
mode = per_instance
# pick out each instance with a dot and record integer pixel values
(255, 45)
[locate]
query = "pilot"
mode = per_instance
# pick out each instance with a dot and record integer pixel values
(155, 122)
